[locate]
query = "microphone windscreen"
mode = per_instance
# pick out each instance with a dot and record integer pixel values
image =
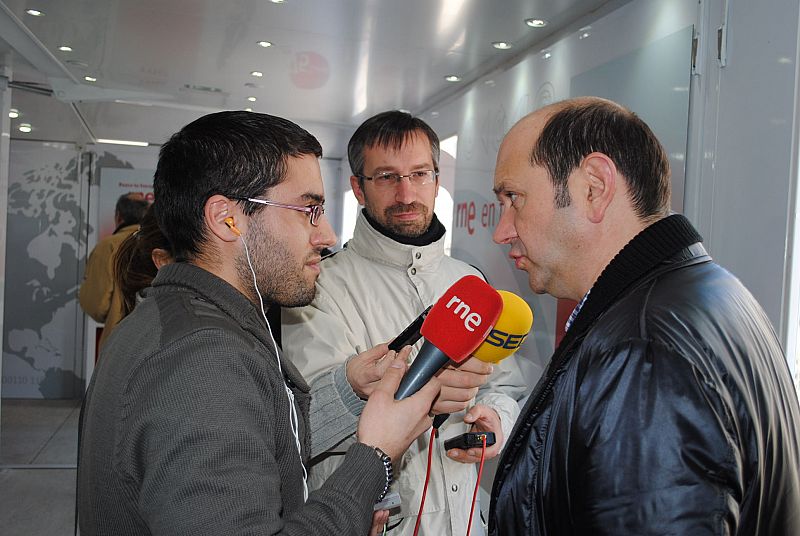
(462, 318)
(510, 330)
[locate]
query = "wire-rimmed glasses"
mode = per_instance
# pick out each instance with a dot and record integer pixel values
(314, 211)
(421, 177)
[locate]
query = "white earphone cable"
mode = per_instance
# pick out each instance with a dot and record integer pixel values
(293, 420)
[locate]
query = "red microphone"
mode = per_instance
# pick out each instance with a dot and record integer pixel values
(457, 324)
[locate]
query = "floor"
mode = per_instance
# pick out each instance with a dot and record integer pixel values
(38, 452)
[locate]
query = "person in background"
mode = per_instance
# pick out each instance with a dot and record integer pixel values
(668, 407)
(392, 270)
(99, 295)
(193, 422)
(138, 260)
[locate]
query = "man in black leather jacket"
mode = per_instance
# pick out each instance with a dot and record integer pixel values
(668, 406)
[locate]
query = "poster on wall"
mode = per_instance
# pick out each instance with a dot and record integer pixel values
(44, 249)
(115, 182)
(43, 352)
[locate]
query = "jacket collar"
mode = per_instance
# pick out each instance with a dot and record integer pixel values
(371, 244)
(126, 227)
(227, 299)
(654, 245)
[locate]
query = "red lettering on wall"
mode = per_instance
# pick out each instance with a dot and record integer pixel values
(466, 214)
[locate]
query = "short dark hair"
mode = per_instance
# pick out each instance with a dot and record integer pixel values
(584, 126)
(133, 262)
(130, 209)
(388, 129)
(236, 154)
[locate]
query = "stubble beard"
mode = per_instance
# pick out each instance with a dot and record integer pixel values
(281, 279)
(411, 229)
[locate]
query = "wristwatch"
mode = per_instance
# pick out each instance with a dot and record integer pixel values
(387, 465)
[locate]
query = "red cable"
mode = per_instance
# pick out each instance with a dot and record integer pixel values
(427, 478)
(477, 485)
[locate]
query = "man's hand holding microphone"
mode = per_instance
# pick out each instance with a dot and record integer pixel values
(471, 318)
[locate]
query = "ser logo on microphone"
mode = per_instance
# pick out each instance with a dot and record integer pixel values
(471, 320)
(501, 339)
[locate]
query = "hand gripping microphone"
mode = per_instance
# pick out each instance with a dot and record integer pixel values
(510, 330)
(455, 326)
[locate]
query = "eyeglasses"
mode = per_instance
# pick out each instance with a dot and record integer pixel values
(420, 177)
(314, 211)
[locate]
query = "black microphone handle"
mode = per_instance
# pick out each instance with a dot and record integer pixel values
(411, 334)
(427, 363)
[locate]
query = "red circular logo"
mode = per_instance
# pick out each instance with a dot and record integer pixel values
(309, 70)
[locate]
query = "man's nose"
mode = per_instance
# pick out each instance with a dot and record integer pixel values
(325, 235)
(505, 231)
(405, 191)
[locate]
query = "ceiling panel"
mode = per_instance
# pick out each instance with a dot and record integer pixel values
(332, 61)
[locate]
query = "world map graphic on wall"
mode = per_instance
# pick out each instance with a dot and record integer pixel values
(46, 244)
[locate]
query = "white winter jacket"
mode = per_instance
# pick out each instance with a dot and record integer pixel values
(366, 295)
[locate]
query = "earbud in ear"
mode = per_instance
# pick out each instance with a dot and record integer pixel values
(229, 222)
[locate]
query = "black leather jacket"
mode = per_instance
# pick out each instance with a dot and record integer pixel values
(667, 409)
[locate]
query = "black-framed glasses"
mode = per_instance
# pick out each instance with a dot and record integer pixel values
(314, 212)
(421, 177)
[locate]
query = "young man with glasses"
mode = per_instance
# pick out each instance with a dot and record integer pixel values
(193, 422)
(392, 269)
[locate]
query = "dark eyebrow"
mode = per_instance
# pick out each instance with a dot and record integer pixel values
(393, 169)
(316, 198)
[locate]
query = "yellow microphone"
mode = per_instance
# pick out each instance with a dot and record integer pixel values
(510, 330)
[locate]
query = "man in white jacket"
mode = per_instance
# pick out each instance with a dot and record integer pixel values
(392, 269)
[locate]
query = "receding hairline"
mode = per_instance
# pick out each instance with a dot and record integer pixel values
(545, 113)
(524, 134)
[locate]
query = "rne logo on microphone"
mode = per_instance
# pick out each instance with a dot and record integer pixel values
(471, 320)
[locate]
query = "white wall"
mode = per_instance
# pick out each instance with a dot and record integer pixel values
(742, 180)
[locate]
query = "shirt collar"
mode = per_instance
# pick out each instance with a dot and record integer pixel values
(577, 310)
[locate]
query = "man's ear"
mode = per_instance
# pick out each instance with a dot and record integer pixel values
(600, 187)
(222, 217)
(355, 184)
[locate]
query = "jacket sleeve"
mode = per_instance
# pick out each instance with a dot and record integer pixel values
(203, 446)
(95, 292)
(335, 409)
(319, 339)
(501, 393)
(652, 448)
